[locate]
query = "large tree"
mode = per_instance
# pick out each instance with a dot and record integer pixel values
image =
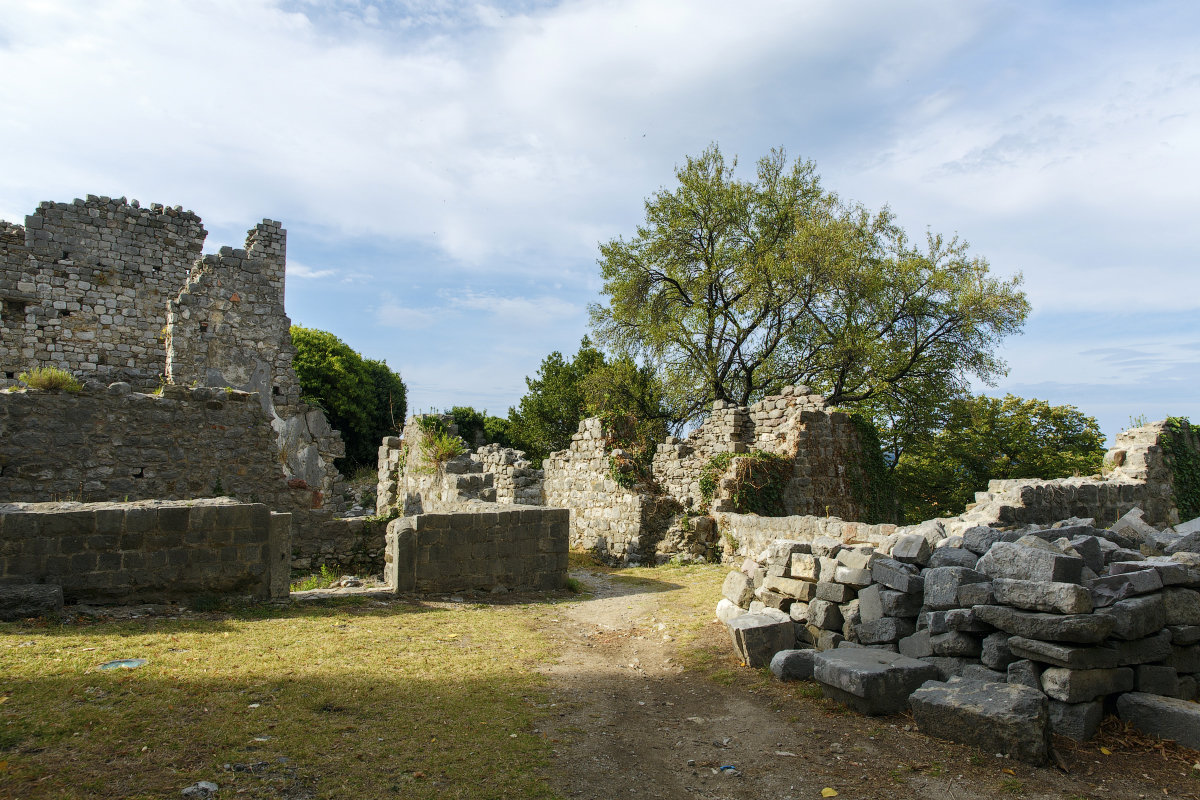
(734, 288)
(982, 438)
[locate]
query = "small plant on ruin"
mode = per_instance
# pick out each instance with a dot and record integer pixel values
(438, 444)
(758, 483)
(320, 580)
(1184, 462)
(46, 378)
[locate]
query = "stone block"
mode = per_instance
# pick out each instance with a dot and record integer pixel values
(1032, 563)
(1090, 550)
(884, 630)
(976, 594)
(758, 637)
(793, 665)
(1078, 721)
(825, 615)
(1185, 659)
(1185, 544)
(1136, 617)
(917, 645)
(1164, 717)
(995, 652)
(789, 587)
(1058, 598)
(996, 717)
(979, 539)
(1107, 656)
(834, 592)
(805, 566)
(828, 640)
(851, 577)
(870, 681)
(955, 644)
(948, 667)
(774, 599)
(953, 557)
(912, 548)
(1025, 673)
(1184, 634)
(857, 558)
(1156, 679)
(978, 672)
(1077, 628)
(897, 575)
(1182, 606)
(29, 600)
(1113, 588)
(726, 610)
(738, 589)
(1083, 685)
(870, 605)
(1172, 573)
(942, 584)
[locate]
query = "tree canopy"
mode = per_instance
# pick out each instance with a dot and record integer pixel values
(984, 438)
(734, 288)
(363, 398)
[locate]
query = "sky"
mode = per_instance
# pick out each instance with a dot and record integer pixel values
(446, 170)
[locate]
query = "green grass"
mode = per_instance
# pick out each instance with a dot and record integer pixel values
(319, 580)
(332, 699)
(50, 378)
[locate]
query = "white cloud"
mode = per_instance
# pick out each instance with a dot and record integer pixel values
(297, 270)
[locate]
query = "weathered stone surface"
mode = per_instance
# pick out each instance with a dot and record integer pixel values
(870, 681)
(997, 717)
(1156, 679)
(1185, 634)
(897, 575)
(774, 599)
(1083, 685)
(1058, 598)
(978, 672)
(955, 619)
(1078, 628)
(825, 615)
(1025, 673)
(855, 557)
(948, 667)
(1090, 550)
(1113, 588)
(789, 587)
(806, 566)
(1025, 562)
(1078, 721)
(834, 592)
(1182, 606)
(1164, 717)
(955, 644)
(976, 594)
(979, 539)
(953, 557)
(726, 610)
(758, 637)
(1185, 659)
(851, 577)
(793, 665)
(885, 630)
(870, 604)
(995, 652)
(738, 589)
(1106, 656)
(912, 548)
(1172, 573)
(942, 584)
(917, 645)
(30, 600)
(1136, 617)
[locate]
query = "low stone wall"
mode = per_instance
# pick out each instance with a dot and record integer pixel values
(351, 546)
(146, 551)
(514, 478)
(749, 534)
(502, 547)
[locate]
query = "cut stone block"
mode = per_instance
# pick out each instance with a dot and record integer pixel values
(1172, 573)
(834, 592)
(1133, 525)
(1078, 721)
(774, 599)
(870, 604)
(1078, 628)
(1113, 588)
(1136, 617)
(1187, 687)
(798, 611)
(979, 539)
(855, 578)
(948, 667)
(1090, 550)
(850, 620)
(727, 610)
(758, 637)
(955, 645)
(956, 619)
(825, 615)
(995, 652)
(912, 548)
(806, 566)
(1183, 635)
(1164, 717)
(1121, 554)
(1058, 598)
(885, 630)
(738, 589)
(1185, 659)
(978, 672)
(788, 587)
(1106, 656)
(793, 665)
(997, 717)
(1156, 679)
(870, 681)
(829, 640)
(1025, 673)
(856, 557)
(953, 557)
(30, 600)
(897, 575)
(976, 594)
(1025, 562)
(942, 583)
(1083, 685)
(1182, 606)
(916, 645)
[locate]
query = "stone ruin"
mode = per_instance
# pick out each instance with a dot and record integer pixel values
(998, 627)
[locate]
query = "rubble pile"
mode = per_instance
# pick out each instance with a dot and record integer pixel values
(995, 637)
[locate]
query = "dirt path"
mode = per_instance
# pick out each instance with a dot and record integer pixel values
(632, 722)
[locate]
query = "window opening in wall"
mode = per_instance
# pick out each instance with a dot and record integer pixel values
(276, 391)
(137, 473)
(204, 327)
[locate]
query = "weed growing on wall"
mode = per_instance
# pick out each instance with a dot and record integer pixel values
(759, 481)
(637, 440)
(1184, 462)
(45, 378)
(438, 444)
(871, 482)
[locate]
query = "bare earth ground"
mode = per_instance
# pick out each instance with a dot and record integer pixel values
(632, 721)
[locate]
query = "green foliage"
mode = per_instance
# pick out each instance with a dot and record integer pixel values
(1184, 461)
(759, 481)
(46, 378)
(320, 580)
(362, 398)
(438, 444)
(871, 482)
(985, 438)
(734, 288)
(474, 427)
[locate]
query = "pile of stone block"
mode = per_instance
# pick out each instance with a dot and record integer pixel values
(995, 636)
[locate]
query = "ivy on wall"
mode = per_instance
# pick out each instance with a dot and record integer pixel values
(759, 481)
(872, 484)
(1184, 462)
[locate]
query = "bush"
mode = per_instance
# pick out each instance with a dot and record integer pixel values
(759, 481)
(46, 378)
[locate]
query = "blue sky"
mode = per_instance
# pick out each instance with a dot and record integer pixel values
(445, 170)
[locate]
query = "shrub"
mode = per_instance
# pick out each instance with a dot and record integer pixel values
(758, 483)
(50, 378)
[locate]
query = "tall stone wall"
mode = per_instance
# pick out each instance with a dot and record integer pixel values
(148, 551)
(513, 476)
(410, 483)
(84, 287)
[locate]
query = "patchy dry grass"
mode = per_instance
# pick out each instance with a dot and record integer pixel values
(337, 699)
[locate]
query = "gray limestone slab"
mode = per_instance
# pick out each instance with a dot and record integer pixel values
(1090, 550)
(871, 681)
(1183, 635)
(1058, 598)
(758, 637)
(738, 589)
(834, 592)
(1077, 628)
(1083, 685)
(996, 717)
(976, 594)
(852, 577)
(825, 614)
(1110, 589)
(885, 630)
(1136, 617)
(870, 603)
(1025, 562)
(1185, 544)
(953, 557)
(1164, 717)
(978, 672)
(805, 566)
(1025, 673)
(897, 575)
(1078, 721)
(1182, 606)
(955, 644)
(793, 665)
(979, 539)
(1172, 573)
(995, 652)
(30, 600)
(947, 666)
(1156, 679)
(1185, 659)
(726, 610)
(942, 584)
(917, 645)
(912, 548)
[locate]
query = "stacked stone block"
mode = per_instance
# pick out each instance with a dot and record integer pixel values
(146, 551)
(515, 479)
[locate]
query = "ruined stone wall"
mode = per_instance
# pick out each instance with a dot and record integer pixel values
(84, 287)
(146, 551)
(352, 546)
(498, 548)
(410, 483)
(513, 476)
(749, 534)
